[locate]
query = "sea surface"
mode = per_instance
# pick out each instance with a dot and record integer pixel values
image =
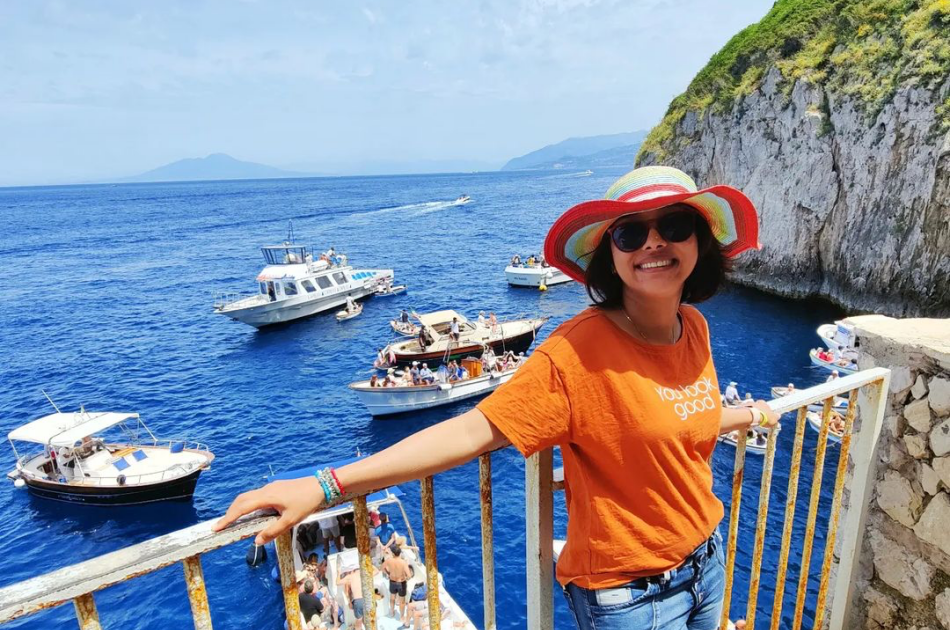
(106, 301)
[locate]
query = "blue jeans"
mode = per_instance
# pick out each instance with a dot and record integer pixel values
(686, 598)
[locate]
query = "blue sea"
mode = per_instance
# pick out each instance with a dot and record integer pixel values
(106, 301)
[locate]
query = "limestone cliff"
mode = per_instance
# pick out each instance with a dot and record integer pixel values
(834, 117)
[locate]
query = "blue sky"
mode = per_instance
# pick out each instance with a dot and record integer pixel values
(95, 89)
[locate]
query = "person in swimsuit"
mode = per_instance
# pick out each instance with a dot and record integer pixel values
(397, 570)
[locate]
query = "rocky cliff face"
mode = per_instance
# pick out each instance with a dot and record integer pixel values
(852, 208)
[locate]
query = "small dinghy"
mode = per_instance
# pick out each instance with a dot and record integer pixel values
(835, 433)
(778, 392)
(755, 445)
(406, 329)
(827, 361)
(389, 291)
(351, 311)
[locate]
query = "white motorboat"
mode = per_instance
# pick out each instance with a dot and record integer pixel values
(384, 401)
(837, 336)
(293, 285)
(533, 272)
(814, 421)
(105, 458)
(515, 335)
(339, 563)
(843, 365)
(462, 200)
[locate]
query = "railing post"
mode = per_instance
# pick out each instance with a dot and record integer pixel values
(86, 612)
(737, 474)
(763, 514)
(288, 579)
(197, 595)
(432, 561)
(361, 518)
(539, 537)
(488, 548)
(872, 403)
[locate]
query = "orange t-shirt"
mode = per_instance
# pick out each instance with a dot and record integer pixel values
(637, 425)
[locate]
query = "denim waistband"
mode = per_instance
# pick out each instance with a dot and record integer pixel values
(697, 557)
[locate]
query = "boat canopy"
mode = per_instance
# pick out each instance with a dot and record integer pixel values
(440, 317)
(68, 429)
(286, 254)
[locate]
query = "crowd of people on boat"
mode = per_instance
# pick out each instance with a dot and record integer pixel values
(531, 260)
(391, 555)
(845, 357)
(419, 374)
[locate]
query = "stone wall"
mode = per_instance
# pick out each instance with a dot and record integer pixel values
(904, 579)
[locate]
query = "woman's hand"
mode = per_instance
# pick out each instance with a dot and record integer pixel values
(771, 416)
(746, 417)
(294, 499)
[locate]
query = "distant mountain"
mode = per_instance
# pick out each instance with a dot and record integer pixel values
(611, 150)
(215, 166)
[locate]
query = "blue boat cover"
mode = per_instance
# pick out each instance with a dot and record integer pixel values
(300, 473)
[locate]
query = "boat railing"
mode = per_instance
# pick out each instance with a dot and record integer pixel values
(867, 396)
(224, 299)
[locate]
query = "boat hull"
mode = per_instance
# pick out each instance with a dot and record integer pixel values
(829, 365)
(292, 309)
(516, 344)
(814, 421)
(535, 277)
(389, 401)
(180, 489)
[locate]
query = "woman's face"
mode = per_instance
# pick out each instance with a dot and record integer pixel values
(658, 269)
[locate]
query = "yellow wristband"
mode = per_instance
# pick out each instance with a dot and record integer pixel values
(763, 418)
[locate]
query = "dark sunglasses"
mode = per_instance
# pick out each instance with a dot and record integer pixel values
(674, 227)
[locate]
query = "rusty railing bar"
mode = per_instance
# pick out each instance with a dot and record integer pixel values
(86, 612)
(432, 562)
(872, 405)
(760, 527)
(790, 501)
(539, 539)
(737, 474)
(488, 540)
(60, 586)
(197, 595)
(818, 393)
(817, 475)
(835, 511)
(361, 520)
(288, 578)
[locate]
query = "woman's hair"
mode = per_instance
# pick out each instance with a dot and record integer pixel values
(605, 287)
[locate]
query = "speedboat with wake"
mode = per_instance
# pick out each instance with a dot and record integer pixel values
(434, 344)
(338, 565)
(293, 285)
(462, 200)
(104, 458)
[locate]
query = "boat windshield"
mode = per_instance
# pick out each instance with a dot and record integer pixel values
(286, 254)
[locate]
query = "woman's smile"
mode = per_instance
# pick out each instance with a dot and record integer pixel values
(657, 265)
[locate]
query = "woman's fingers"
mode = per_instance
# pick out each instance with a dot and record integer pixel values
(275, 529)
(244, 504)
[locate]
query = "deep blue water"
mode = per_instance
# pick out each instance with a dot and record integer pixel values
(105, 300)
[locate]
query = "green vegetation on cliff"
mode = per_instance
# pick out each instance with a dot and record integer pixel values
(864, 49)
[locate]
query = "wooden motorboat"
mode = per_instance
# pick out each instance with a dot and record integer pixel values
(514, 335)
(406, 329)
(76, 465)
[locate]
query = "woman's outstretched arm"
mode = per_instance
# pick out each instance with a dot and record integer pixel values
(430, 451)
(742, 418)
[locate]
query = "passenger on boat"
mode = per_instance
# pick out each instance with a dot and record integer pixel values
(398, 572)
(454, 333)
(390, 378)
(481, 319)
(350, 304)
(347, 530)
(837, 423)
(374, 381)
(591, 387)
(515, 260)
(404, 316)
(424, 339)
(418, 609)
(353, 589)
(310, 605)
(833, 376)
(442, 374)
(492, 322)
(270, 292)
(732, 394)
(330, 528)
(414, 373)
(407, 379)
(748, 401)
(426, 377)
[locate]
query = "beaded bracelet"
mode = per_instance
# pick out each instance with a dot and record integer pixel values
(329, 484)
(337, 480)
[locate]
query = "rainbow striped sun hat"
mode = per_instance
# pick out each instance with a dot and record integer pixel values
(573, 238)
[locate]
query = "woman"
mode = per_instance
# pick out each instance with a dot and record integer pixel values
(628, 390)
